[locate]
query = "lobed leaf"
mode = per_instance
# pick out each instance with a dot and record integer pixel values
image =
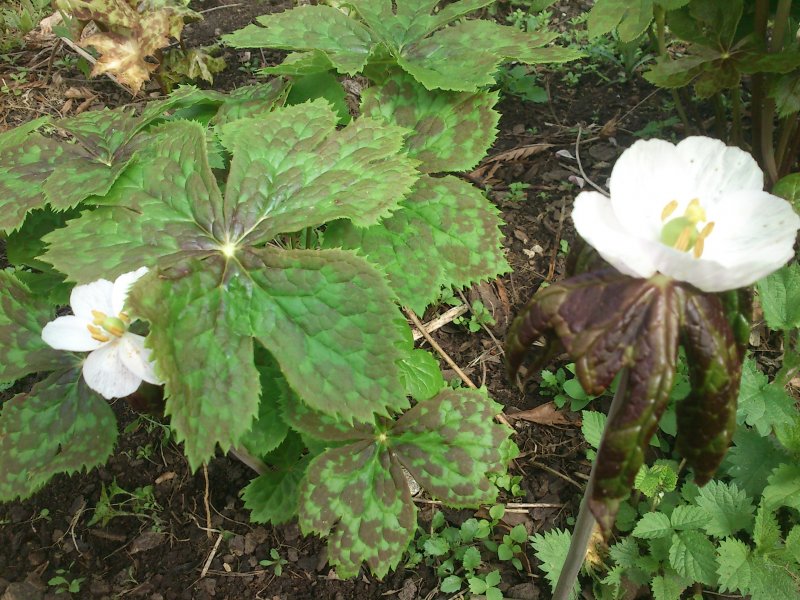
(728, 509)
(344, 41)
(60, 426)
(779, 294)
(446, 227)
(356, 173)
(761, 404)
(22, 318)
(196, 320)
(451, 130)
(751, 459)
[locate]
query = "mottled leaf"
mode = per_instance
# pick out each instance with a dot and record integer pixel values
(344, 41)
(195, 317)
(446, 228)
(22, 318)
(451, 130)
(310, 173)
(707, 416)
(60, 426)
(336, 333)
(269, 429)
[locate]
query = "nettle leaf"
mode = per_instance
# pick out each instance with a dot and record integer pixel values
(355, 173)
(693, 555)
(446, 227)
(727, 508)
(751, 459)
(551, 549)
(195, 332)
(771, 579)
(358, 495)
(779, 294)
(345, 42)
(788, 188)
(28, 159)
(592, 426)
(669, 586)
(763, 405)
(734, 566)
(60, 426)
(22, 318)
(451, 130)
(630, 19)
(652, 526)
(783, 488)
(785, 90)
(766, 531)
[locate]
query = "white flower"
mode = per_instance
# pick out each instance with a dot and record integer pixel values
(118, 362)
(695, 212)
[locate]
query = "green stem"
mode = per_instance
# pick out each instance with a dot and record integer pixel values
(779, 25)
(736, 115)
(660, 38)
(757, 96)
(784, 160)
(584, 525)
(719, 116)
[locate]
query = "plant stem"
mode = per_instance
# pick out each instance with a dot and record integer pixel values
(779, 25)
(585, 522)
(661, 40)
(782, 158)
(736, 116)
(757, 96)
(719, 116)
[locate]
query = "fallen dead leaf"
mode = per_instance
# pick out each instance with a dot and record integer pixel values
(546, 414)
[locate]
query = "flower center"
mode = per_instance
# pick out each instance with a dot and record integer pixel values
(681, 233)
(104, 327)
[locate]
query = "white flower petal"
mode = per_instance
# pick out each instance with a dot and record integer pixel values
(122, 286)
(716, 169)
(137, 358)
(91, 296)
(596, 222)
(105, 373)
(648, 176)
(70, 333)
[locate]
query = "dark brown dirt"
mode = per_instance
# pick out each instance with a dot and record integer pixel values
(193, 539)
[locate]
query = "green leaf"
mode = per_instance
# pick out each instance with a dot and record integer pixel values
(685, 516)
(551, 549)
(592, 426)
(273, 497)
(770, 579)
(631, 19)
(422, 375)
(652, 526)
(28, 159)
(195, 335)
(793, 543)
(766, 531)
(60, 426)
(734, 566)
(311, 173)
(668, 587)
(320, 85)
(446, 228)
(451, 130)
(22, 318)
(450, 584)
(751, 459)
(783, 488)
(788, 188)
(332, 327)
(780, 297)
(727, 508)
(269, 429)
(345, 42)
(785, 90)
(655, 480)
(357, 494)
(471, 559)
(436, 546)
(692, 555)
(762, 405)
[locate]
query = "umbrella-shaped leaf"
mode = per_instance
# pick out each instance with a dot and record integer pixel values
(446, 228)
(331, 174)
(59, 426)
(358, 495)
(451, 130)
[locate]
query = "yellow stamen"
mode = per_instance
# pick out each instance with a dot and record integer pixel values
(694, 212)
(700, 243)
(97, 333)
(707, 230)
(669, 209)
(682, 243)
(124, 317)
(99, 317)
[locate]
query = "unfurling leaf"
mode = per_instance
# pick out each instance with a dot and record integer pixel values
(607, 321)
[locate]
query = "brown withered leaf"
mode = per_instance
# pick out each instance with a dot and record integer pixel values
(546, 414)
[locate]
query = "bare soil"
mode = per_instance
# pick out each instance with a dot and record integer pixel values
(194, 539)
